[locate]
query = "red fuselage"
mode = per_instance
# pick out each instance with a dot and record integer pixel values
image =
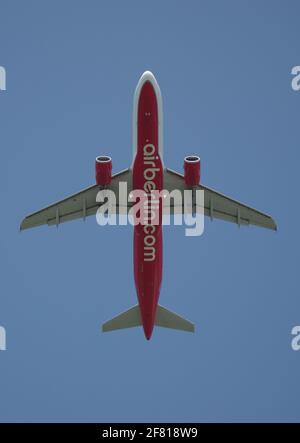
(147, 175)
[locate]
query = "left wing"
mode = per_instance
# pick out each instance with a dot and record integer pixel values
(217, 205)
(79, 205)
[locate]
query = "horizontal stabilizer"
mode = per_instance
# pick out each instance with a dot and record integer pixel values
(127, 319)
(168, 319)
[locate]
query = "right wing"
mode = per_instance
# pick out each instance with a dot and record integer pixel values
(217, 205)
(76, 206)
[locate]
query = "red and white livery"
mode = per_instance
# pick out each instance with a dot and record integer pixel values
(147, 173)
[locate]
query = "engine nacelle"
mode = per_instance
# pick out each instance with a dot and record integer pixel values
(103, 170)
(192, 170)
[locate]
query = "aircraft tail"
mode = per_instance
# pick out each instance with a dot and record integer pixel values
(168, 319)
(127, 319)
(164, 318)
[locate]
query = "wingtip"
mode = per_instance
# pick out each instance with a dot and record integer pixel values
(23, 224)
(21, 228)
(275, 227)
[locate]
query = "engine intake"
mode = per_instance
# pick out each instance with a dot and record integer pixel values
(103, 170)
(192, 170)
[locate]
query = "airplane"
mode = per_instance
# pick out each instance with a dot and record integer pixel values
(147, 242)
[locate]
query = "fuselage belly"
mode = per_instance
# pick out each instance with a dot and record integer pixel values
(147, 175)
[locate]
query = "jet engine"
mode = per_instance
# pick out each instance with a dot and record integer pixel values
(103, 170)
(192, 170)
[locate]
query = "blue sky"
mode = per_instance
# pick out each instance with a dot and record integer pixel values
(224, 71)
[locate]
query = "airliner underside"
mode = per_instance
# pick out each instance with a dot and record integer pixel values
(148, 173)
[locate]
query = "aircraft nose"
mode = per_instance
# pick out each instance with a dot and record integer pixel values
(148, 76)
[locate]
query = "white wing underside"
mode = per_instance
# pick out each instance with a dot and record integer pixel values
(217, 205)
(79, 205)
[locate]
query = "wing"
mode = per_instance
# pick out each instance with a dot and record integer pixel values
(217, 205)
(76, 206)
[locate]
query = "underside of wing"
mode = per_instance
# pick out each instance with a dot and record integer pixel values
(79, 205)
(217, 205)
